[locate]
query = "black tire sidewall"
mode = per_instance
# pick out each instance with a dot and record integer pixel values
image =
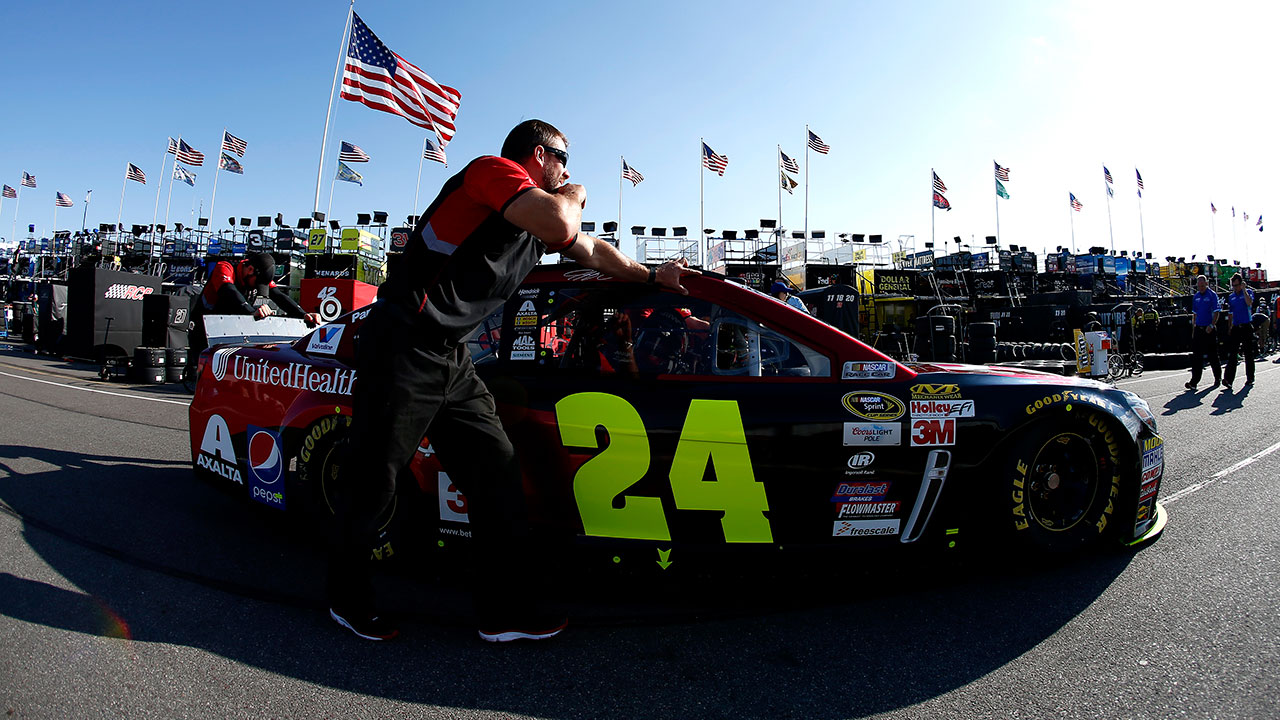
(1101, 519)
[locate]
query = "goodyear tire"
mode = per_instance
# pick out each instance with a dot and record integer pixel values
(322, 451)
(1062, 483)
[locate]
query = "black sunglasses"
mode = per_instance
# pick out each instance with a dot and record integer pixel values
(562, 155)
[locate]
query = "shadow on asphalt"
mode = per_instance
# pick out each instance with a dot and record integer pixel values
(1186, 400)
(1227, 401)
(838, 640)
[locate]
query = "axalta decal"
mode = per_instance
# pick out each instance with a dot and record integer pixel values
(874, 406)
(1064, 396)
(941, 409)
(872, 433)
(217, 453)
(869, 371)
(123, 291)
(527, 315)
(935, 391)
(294, 375)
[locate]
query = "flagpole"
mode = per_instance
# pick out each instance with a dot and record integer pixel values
(702, 236)
(84, 217)
(169, 200)
(933, 209)
(996, 187)
(1233, 229)
(55, 216)
(216, 168)
(618, 236)
(806, 194)
(1213, 224)
(329, 210)
(124, 183)
(342, 54)
(417, 186)
(1071, 214)
(155, 212)
(18, 206)
(780, 181)
(1141, 232)
(1110, 229)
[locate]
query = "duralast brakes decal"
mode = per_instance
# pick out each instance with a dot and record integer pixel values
(874, 406)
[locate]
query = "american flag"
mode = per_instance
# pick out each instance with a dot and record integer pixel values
(382, 80)
(1075, 204)
(352, 153)
(1233, 211)
(1135, 172)
(1107, 174)
(432, 151)
(10, 192)
(233, 144)
(134, 173)
(188, 154)
(712, 161)
(28, 180)
(1002, 173)
(173, 147)
(788, 184)
(1213, 209)
(938, 185)
(788, 164)
(816, 144)
(61, 200)
(1246, 215)
(1259, 223)
(632, 174)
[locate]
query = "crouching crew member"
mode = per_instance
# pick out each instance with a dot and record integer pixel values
(234, 289)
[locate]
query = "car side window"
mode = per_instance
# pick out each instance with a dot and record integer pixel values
(640, 331)
(483, 341)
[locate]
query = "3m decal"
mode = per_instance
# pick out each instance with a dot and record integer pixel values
(873, 406)
(933, 432)
(884, 434)
(324, 341)
(869, 371)
(865, 528)
(941, 408)
(266, 467)
(217, 453)
(930, 391)
(712, 443)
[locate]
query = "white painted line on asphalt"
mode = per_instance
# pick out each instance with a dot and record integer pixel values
(1219, 475)
(102, 392)
(1174, 373)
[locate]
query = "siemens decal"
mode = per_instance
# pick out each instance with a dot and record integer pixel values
(294, 375)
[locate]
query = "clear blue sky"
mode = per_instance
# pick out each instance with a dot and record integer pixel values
(1053, 90)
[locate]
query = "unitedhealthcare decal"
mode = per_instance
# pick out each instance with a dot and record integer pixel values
(266, 467)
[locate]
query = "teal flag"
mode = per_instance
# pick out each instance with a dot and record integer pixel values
(349, 175)
(1001, 191)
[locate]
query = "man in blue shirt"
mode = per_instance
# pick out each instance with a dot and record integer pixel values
(1204, 337)
(1241, 338)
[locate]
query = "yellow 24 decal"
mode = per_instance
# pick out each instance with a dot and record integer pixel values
(712, 435)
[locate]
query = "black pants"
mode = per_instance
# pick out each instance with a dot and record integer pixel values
(1242, 339)
(402, 392)
(1204, 344)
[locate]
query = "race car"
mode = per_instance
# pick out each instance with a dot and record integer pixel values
(721, 420)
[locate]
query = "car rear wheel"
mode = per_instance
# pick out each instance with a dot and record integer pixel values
(321, 454)
(1062, 482)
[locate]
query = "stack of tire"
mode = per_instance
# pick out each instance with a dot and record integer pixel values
(936, 338)
(1051, 357)
(150, 365)
(175, 362)
(982, 343)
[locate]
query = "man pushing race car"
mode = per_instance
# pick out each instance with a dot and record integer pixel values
(472, 247)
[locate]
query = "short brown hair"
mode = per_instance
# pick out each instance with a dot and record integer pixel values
(1236, 277)
(528, 135)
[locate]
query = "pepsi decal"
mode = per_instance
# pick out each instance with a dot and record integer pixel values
(266, 466)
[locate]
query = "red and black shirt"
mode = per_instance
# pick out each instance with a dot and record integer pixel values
(464, 258)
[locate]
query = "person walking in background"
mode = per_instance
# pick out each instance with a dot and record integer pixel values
(1241, 335)
(1204, 337)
